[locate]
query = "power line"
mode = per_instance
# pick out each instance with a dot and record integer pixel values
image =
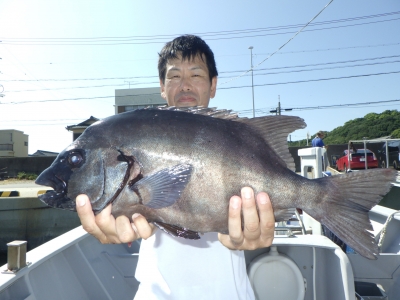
(223, 72)
(69, 88)
(258, 74)
(346, 105)
(336, 106)
(283, 45)
(338, 48)
(81, 79)
(163, 38)
(215, 33)
(306, 30)
(264, 110)
(226, 88)
(321, 64)
(328, 68)
(312, 80)
(35, 120)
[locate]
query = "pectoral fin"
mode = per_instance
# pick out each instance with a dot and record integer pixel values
(178, 231)
(163, 188)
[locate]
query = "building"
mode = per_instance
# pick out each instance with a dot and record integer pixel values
(78, 129)
(13, 143)
(44, 153)
(125, 100)
(130, 99)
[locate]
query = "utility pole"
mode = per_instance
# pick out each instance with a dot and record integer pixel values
(129, 82)
(279, 105)
(278, 110)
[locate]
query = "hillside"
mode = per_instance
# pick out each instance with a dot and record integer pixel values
(371, 126)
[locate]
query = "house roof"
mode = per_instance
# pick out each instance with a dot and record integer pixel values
(83, 124)
(44, 153)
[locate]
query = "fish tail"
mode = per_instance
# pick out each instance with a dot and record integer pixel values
(346, 202)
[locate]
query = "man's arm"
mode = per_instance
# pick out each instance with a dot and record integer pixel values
(259, 226)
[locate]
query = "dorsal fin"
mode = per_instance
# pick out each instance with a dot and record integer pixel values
(275, 130)
(205, 111)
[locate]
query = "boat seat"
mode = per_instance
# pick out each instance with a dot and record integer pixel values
(284, 282)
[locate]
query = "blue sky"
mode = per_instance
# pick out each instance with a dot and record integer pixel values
(61, 61)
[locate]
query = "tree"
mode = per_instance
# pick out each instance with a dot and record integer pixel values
(372, 126)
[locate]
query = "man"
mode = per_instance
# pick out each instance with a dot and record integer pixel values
(175, 268)
(317, 141)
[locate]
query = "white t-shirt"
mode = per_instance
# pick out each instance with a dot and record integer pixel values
(177, 268)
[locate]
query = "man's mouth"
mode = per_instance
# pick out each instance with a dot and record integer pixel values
(186, 99)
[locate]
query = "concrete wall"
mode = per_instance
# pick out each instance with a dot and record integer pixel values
(28, 219)
(35, 165)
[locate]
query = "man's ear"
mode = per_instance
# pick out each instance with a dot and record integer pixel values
(162, 89)
(213, 88)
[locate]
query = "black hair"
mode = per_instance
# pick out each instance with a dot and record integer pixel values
(188, 46)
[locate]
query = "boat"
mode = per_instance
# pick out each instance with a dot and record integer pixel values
(306, 266)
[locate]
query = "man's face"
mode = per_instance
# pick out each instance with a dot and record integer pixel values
(187, 83)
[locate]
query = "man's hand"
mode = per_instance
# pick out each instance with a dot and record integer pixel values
(109, 230)
(259, 226)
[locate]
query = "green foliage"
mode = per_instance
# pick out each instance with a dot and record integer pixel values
(28, 176)
(300, 143)
(396, 134)
(372, 126)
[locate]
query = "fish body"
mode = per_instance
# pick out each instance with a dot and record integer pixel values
(180, 168)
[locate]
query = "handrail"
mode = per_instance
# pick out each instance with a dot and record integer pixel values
(383, 232)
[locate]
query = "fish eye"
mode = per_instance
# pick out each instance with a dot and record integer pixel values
(75, 159)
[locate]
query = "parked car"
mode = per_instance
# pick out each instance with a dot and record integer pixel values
(356, 160)
(394, 155)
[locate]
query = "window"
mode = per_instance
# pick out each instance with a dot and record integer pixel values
(6, 147)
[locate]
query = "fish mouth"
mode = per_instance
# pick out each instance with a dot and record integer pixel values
(57, 197)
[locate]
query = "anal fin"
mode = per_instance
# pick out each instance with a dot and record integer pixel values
(178, 231)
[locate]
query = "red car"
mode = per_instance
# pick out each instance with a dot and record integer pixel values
(356, 160)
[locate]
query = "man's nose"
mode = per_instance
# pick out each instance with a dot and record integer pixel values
(186, 84)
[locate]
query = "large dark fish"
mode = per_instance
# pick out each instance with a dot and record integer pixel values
(180, 168)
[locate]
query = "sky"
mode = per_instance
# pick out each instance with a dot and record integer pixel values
(61, 61)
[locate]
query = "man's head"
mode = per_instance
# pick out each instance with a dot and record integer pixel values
(187, 71)
(320, 134)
